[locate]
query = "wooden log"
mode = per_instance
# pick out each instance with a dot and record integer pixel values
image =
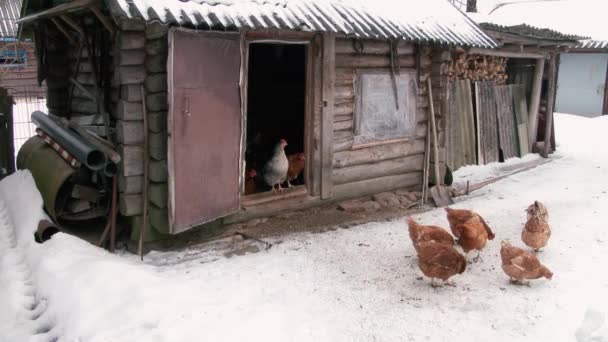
(130, 185)
(132, 160)
(377, 185)
(508, 54)
(343, 125)
(344, 92)
(130, 205)
(83, 94)
(157, 102)
(550, 103)
(384, 168)
(159, 219)
(344, 109)
(156, 30)
(132, 74)
(157, 47)
(156, 83)
(129, 57)
(156, 63)
(378, 153)
(343, 101)
(535, 101)
(130, 92)
(158, 146)
(157, 171)
(371, 46)
(372, 61)
(129, 132)
(132, 25)
(128, 40)
(83, 106)
(157, 121)
(158, 194)
(346, 117)
(129, 111)
(87, 120)
(345, 76)
(85, 78)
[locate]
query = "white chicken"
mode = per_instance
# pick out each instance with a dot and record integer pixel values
(275, 169)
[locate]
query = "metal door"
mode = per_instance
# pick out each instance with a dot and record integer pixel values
(581, 83)
(204, 127)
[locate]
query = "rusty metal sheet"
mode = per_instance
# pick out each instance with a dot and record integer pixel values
(487, 125)
(460, 125)
(505, 114)
(204, 127)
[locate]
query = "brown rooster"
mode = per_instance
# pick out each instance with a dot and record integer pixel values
(470, 229)
(520, 265)
(440, 261)
(536, 232)
(250, 187)
(296, 165)
(420, 233)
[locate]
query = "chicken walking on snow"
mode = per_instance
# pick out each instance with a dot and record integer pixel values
(521, 265)
(419, 234)
(470, 229)
(440, 261)
(275, 169)
(536, 232)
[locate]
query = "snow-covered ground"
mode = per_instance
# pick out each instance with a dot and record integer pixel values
(356, 284)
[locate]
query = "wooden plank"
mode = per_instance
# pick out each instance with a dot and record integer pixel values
(521, 118)
(535, 102)
(129, 132)
(486, 117)
(460, 130)
(377, 153)
(550, 104)
(373, 61)
(377, 185)
(371, 46)
(504, 53)
(132, 160)
(469, 122)
(505, 114)
(329, 68)
(383, 168)
(58, 10)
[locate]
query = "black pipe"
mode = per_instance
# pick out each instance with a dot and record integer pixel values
(87, 153)
(45, 230)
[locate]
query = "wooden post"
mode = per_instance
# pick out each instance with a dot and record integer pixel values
(144, 221)
(327, 118)
(535, 102)
(550, 102)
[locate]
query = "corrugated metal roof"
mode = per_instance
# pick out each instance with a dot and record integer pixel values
(9, 12)
(529, 31)
(429, 20)
(593, 44)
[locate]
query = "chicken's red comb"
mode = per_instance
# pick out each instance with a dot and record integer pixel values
(283, 141)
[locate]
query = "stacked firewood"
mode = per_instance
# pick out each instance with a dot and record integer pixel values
(478, 68)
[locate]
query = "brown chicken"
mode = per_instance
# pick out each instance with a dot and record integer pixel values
(520, 265)
(440, 261)
(536, 232)
(250, 187)
(470, 229)
(420, 233)
(296, 165)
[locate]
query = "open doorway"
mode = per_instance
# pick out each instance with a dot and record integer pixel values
(276, 106)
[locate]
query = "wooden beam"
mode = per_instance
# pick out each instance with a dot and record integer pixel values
(327, 115)
(508, 54)
(58, 10)
(73, 25)
(550, 103)
(104, 21)
(64, 31)
(535, 102)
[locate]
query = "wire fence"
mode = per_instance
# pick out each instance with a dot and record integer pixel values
(23, 128)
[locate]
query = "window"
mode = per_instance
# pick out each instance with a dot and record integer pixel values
(377, 117)
(13, 58)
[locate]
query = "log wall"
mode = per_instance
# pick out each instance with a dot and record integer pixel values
(381, 167)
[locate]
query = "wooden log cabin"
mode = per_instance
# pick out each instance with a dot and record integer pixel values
(201, 93)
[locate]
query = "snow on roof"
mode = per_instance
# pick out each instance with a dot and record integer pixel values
(531, 32)
(571, 17)
(9, 13)
(431, 20)
(593, 44)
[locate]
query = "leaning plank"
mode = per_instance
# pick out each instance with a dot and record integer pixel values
(507, 133)
(377, 185)
(486, 118)
(521, 117)
(384, 168)
(377, 153)
(372, 61)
